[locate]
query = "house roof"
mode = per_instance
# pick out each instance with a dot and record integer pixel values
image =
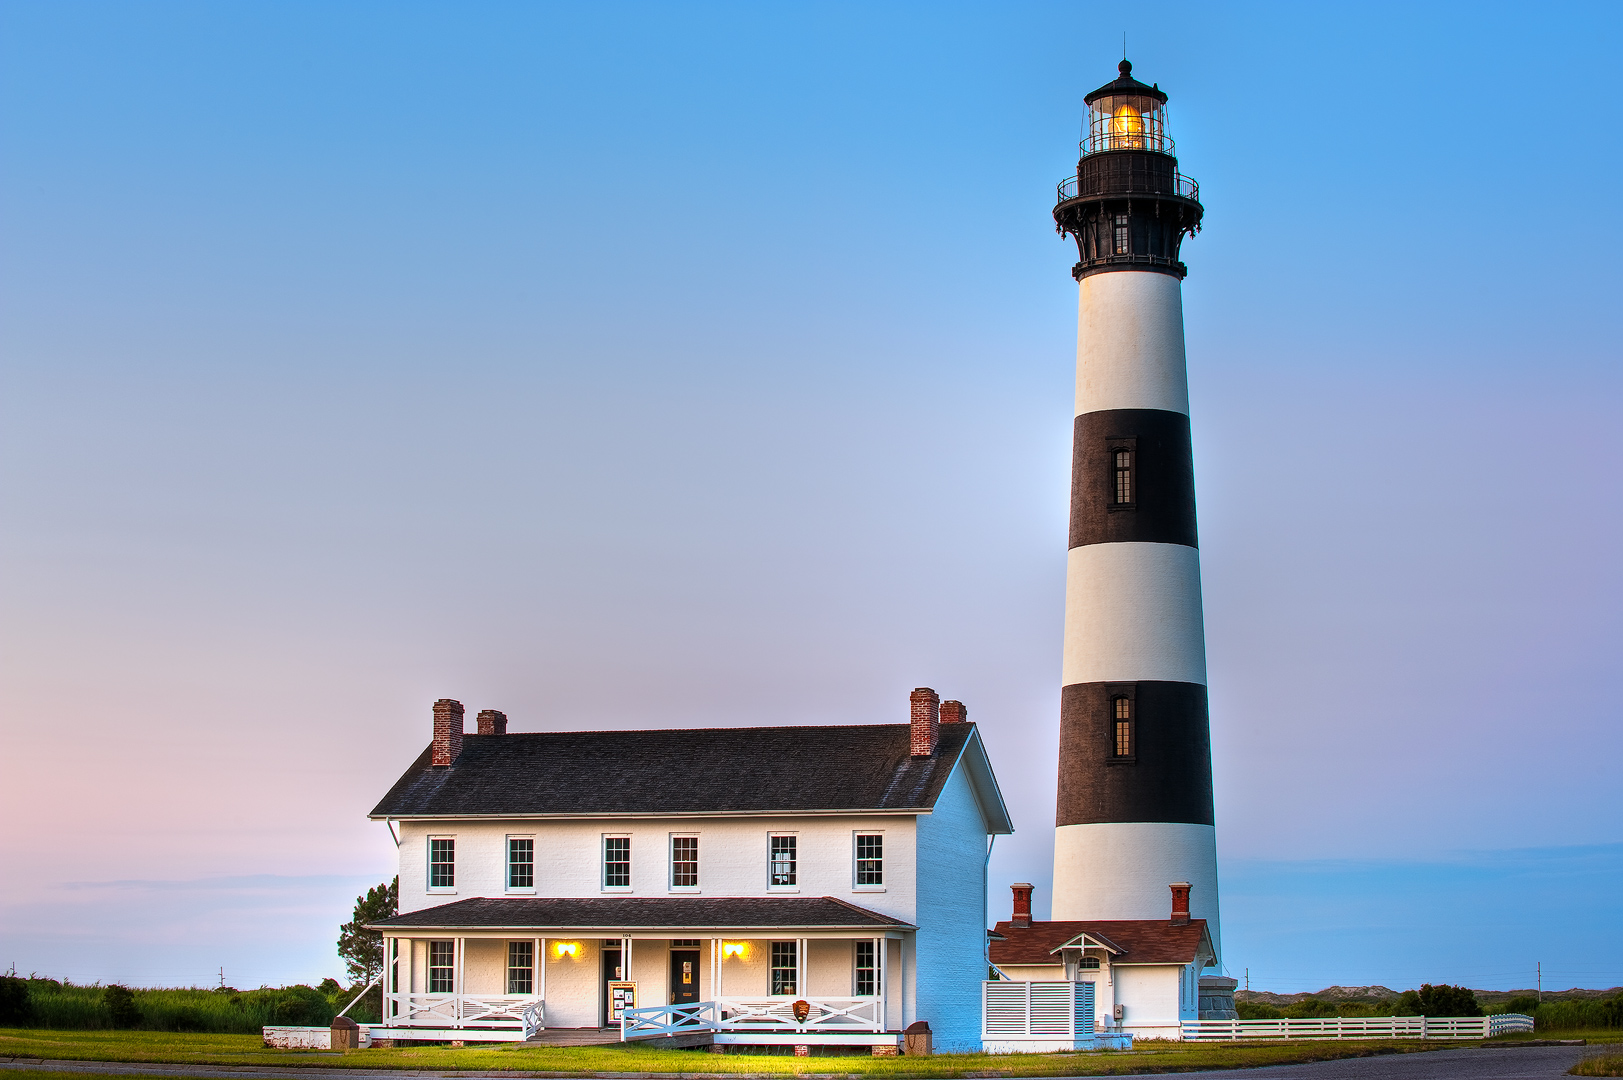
(693, 771)
(646, 913)
(1130, 941)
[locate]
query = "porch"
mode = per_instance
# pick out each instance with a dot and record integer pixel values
(740, 984)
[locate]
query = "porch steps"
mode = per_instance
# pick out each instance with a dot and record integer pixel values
(574, 1037)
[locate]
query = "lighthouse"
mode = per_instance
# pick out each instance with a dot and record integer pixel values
(1135, 769)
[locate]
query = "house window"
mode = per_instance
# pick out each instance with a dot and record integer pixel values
(870, 859)
(441, 863)
(1122, 470)
(1088, 963)
(617, 862)
(784, 968)
(441, 967)
(520, 862)
(867, 980)
(684, 862)
(783, 860)
(520, 968)
(1123, 709)
(1122, 247)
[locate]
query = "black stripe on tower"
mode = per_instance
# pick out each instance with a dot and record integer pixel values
(1166, 774)
(1160, 485)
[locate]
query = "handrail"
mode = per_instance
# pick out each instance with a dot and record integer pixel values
(525, 1012)
(1182, 186)
(753, 1014)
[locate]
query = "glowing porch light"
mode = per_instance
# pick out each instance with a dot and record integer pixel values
(734, 948)
(570, 949)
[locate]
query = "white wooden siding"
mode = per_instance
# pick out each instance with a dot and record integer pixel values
(951, 918)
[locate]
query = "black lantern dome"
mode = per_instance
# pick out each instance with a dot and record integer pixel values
(1127, 206)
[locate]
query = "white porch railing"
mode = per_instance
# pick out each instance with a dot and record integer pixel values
(754, 1014)
(1026, 1010)
(1362, 1027)
(487, 1011)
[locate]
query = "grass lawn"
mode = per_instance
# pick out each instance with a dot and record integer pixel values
(1606, 1065)
(157, 1046)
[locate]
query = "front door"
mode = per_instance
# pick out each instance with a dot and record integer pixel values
(684, 976)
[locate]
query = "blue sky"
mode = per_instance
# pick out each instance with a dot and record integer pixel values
(653, 365)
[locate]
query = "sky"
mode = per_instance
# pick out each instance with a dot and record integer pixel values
(655, 365)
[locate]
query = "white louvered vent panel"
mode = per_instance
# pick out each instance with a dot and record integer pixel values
(1005, 1008)
(1051, 1008)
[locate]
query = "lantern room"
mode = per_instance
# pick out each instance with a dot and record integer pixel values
(1126, 115)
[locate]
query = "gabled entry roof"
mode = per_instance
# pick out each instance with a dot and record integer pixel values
(1129, 941)
(695, 771)
(645, 913)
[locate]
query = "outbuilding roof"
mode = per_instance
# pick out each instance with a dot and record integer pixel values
(1130, 941)
(694, 771)
(646, 913)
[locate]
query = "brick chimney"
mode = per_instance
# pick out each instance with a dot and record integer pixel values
(447, 731)
(492, 722)
(953, 712)
(1180, 903)
(1022, 905)
(926, 721)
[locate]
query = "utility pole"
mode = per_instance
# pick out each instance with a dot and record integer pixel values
(1247, 982)
(1541, 982)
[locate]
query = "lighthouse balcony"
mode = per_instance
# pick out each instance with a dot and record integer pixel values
(1131, 177)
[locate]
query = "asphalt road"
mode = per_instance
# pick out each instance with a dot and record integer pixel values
(1522, 1063)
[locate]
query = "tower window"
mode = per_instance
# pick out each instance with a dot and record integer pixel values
(1123, 709)
(1122, 470)
(1122, 246)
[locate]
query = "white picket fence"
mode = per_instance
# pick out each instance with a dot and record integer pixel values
(1362, 1027)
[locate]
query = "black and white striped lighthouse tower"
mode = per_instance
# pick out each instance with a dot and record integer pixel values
(1135, 768)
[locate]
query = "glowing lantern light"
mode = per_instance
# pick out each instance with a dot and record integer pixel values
(1127, 129)
(570, 949)
(734, 948)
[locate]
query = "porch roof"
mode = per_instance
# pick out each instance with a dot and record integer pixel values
(1130, 941)
(645, 913)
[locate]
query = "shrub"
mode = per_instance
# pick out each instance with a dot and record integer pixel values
(15, 1007)
(122, 1011)
(1442, 1000)
(1308, 1007)
(1256, 1010)
(1524, 1005)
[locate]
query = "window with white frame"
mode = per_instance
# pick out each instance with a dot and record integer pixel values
(785, 968)
(442, 967)
(870, 859)
(441, 862)
(684, 862)
(1088, 963)
(520, 968)
(866, 982)
(617, 862)
(783, 868)
(521, 862)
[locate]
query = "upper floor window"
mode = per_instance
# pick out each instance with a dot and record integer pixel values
(1122, 708)
(783, 861)
(684, 862)
(870, 859)
(520, 968)
(866, 980)
(520, 862)
(442, 967)
(785, 967)
(441, 862)
(1123, 247)
(617, 862)
(1122, 476)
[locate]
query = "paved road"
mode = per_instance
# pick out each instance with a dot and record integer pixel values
(1524, 1063)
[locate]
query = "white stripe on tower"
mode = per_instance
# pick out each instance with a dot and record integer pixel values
(1135, 792)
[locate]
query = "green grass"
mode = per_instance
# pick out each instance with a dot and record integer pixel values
(1604, 1065)
(213, 1049)
(64, 1006)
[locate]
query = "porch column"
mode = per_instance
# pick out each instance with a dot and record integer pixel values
(901, 961)
(882, 959)
(540, 987)
(456, 977)
(800, 967)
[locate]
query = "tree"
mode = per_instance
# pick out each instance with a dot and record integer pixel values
(16, 1008)
(362, 949)
(1443, 1000)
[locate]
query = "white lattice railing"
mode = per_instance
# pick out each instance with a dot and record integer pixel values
(1362, 1027)
(1024, 1010)
(463, 1011)
(754, 1014)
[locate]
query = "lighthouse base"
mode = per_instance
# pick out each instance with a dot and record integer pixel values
(1121, 870)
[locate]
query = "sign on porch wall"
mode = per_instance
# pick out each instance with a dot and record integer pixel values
(622, 996)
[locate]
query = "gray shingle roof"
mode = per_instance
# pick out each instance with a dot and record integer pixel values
(633, 913)
(703, 770)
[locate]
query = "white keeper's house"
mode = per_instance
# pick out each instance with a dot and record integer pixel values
(771, 885)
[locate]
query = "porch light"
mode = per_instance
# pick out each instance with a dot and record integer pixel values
(570, 949)
(734, 948)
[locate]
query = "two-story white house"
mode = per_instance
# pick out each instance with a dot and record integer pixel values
(793, 885)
